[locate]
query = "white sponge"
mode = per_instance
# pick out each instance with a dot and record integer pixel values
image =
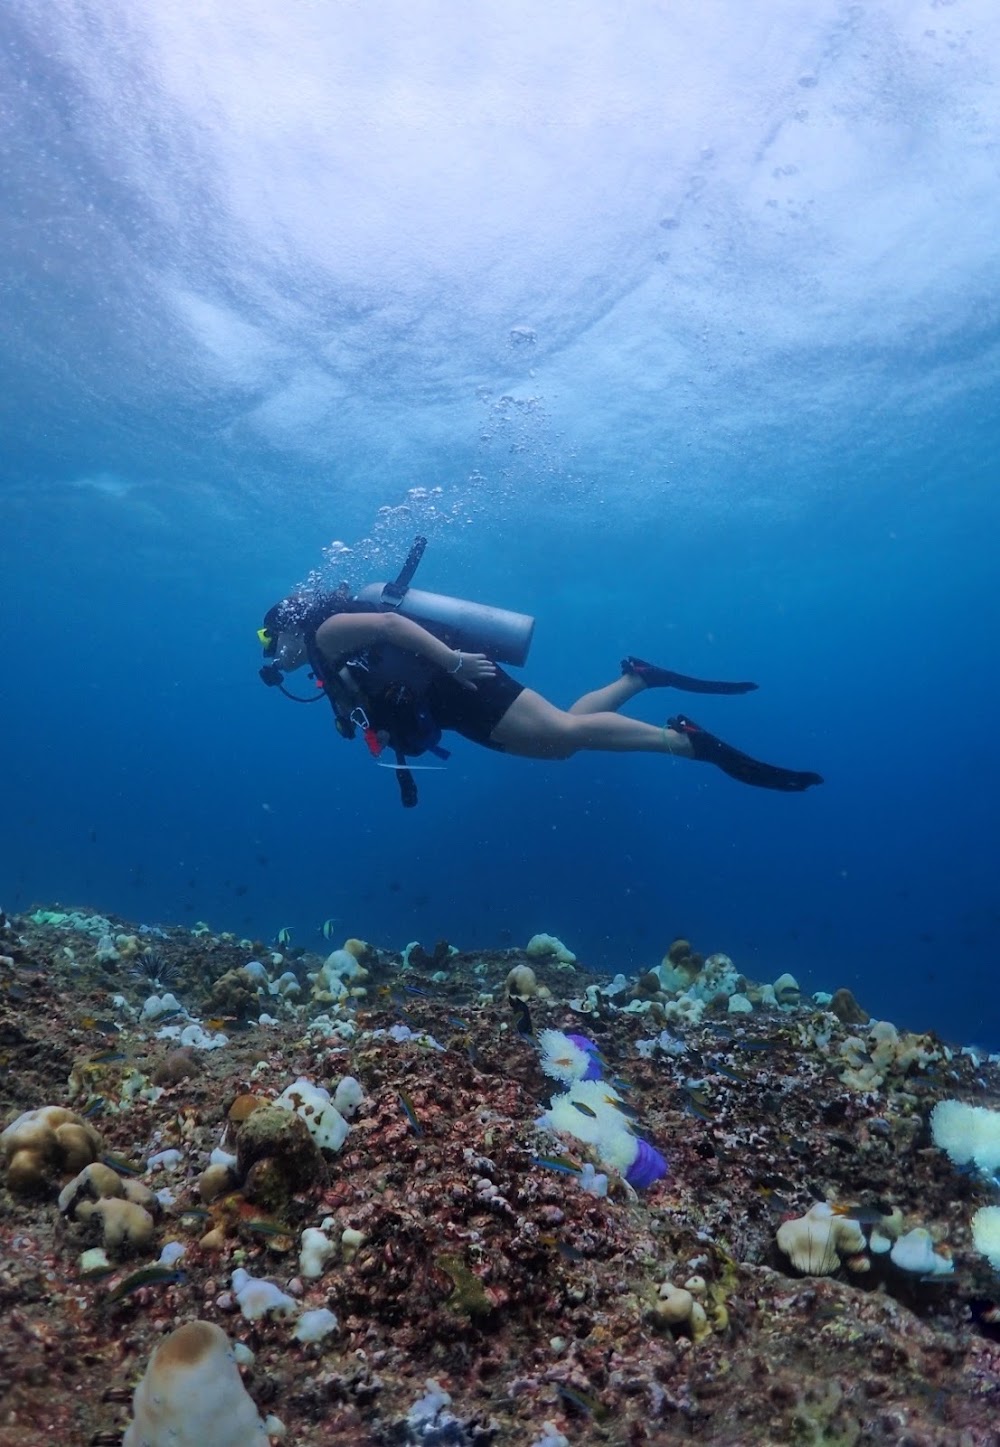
(986, 1234)
(969, 1133)
(327, 1126)
(192, 1395)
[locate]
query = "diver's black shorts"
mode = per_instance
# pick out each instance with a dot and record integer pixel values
(473, 714)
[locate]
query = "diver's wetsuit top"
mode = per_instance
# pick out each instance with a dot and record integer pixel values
(391, 679)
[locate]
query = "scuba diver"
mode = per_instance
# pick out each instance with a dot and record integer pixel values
(402, 666)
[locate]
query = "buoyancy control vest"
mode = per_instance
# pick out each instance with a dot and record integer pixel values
(383, 690)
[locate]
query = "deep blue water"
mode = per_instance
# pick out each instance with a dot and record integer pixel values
(680, 401)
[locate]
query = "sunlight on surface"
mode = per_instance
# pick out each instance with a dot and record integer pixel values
(297, 229)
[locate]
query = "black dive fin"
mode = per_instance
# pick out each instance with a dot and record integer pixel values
(710, 750)
(655, 677)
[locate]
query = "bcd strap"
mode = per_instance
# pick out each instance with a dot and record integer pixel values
(344, 696)
(407, 784)
(394, 593)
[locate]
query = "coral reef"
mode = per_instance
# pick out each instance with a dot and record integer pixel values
(415, 1258)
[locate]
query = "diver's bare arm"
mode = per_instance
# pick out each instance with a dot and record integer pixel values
(346, 632)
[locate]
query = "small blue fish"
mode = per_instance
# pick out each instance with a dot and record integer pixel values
(694, 1103)
(768, 1042)
(623, 1108)
(522, 1017)
(328, 928)
(146, 1276)
(584, 1402)
(122, 1166)
(410, 1113)
(557, 1163)
(718, 1067)
(284, 936)
(569, 1252)
(265, 1227)
(863, 1215)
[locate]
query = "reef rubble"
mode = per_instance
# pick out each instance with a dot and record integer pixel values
(433, 1265)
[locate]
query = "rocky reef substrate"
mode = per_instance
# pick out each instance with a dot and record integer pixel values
(337, 1160)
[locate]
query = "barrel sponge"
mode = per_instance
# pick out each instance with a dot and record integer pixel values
(192, 1395)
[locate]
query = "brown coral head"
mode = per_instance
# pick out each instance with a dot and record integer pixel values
(176, 1066)
(847, 1009)
(44, 1143)
(648, 984)
(272, 1133)
(242, 1107)
(27, 1173)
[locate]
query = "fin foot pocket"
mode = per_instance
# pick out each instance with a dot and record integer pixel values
(655, 677)
(709, 750)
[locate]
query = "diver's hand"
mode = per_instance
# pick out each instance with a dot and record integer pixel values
(469, 667)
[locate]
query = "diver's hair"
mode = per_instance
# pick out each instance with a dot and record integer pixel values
(304, 612)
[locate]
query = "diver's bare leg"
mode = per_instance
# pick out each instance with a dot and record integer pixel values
(610, 698)
(535, 729)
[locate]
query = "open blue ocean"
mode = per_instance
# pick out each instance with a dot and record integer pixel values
(674, 327)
